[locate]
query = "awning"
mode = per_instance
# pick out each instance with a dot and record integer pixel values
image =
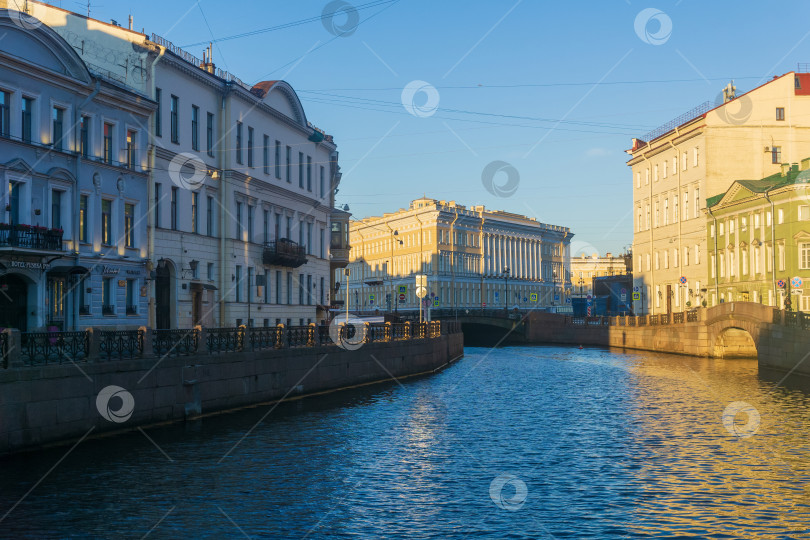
(67, 270)
(202, 287)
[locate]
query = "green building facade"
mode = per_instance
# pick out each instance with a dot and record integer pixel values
(759, 241)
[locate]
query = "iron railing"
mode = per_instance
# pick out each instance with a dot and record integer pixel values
(677, 318)
(224, 339)
(31, 237)
(175, 342)
(53, 347)
(121, 343)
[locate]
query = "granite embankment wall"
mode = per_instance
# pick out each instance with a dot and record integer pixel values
(780, 340)
(58, 403)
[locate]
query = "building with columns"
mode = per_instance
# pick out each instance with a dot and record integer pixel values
(585, 267)
(473, 258)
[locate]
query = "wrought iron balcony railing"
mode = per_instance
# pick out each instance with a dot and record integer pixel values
(30, 237)
(284, 252)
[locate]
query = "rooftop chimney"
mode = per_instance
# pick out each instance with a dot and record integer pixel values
(130, 22)
(208, 63)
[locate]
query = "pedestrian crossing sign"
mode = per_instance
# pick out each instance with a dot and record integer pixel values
(636, 296)
(435, 301)
(533, 297)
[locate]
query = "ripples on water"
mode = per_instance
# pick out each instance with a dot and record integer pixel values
(607, 444)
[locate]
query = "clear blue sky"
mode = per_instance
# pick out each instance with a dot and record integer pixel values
(503, 87)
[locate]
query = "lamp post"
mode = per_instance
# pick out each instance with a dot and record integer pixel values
(506, 289)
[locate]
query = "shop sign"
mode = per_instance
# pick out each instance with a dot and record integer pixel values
(109, 270)
(29, 265)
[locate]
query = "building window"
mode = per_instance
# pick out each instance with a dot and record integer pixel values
(106, 222)
(209, 134)
(804, 255)
(5, 111)
(278, 160)
(131, 149)
(129, 225)
(309, 173)
(278, 227)
(301, 298)
(107, 304)
(638, 179)
(309, 238)
(780, 113)
(56, 209)
(195, 206)
(323, 300)
(655, 174)
(239, 143)
(132, 308)
(83, 218)
(695, 156)
(158, 113)
(238, 220)
(278, 287)
(697, 202)
(157, 204)
(108, 143)
(57, 133)
(776, 154)
(804, 213)
(195, 128)
(210, 271)
(780, 216)
(238, 288)
(84, 136)
(289, 165)
(684, 162)
(175, 127)
(289, 287)
(174, 208)
(266, 154)
(250, 220)
(309, 290)
(323, 244)
(27, 112)
(249, 283)
(685, 205)
(250, 147)
(301, 170)
(209, 216)
(265, 226)
(322, 181)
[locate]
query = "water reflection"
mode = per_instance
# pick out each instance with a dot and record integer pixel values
(606, 444)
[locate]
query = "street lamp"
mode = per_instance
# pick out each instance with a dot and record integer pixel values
(506, 289)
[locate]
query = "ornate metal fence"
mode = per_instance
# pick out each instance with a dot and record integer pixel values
(53, 347)
(224, 339)
(121, 343)
(175, 342)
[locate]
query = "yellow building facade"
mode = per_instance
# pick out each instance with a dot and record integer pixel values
(699, 154)
(474, 258)
(585, 267)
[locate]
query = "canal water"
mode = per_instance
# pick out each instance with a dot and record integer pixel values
(516, 442)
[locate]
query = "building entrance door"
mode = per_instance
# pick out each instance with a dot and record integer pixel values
(13, 302)
(196, 307)
(669, 298)
(163, 297)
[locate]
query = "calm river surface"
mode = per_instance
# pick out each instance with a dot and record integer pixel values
(517, 442)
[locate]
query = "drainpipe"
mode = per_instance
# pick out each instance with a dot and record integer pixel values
(716, 258)
(773, 241)
(77, 142)
(150, 186)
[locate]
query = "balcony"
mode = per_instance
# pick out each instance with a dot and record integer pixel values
(284, 252)
(30, 237)
(339, 239)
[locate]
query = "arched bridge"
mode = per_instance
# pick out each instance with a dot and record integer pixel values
(730, 330)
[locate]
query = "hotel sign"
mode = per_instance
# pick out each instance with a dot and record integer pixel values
(29, 265)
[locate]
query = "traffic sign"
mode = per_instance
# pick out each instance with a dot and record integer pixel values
(435, 301)
(557, 297)
(683, 280)
(589, 297)
(624, 291)
(496, 295)
(623, 297)
(533, 296)
(796, 282)
(485, 304)
(403, 289)
(401, 297)
(371, 299)
(636, 296)
(421, 280)
(781, 284)
(421, 292)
